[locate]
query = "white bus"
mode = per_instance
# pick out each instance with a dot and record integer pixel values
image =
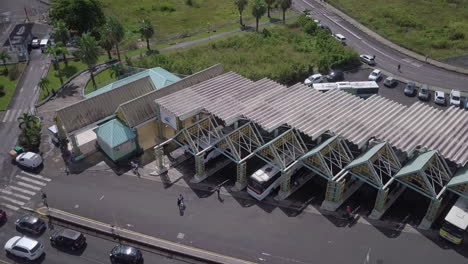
(361, 89)
(263, 181)
(456, 222)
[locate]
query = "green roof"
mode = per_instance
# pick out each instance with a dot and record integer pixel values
(460, 177)
(416, 164)
(319, 147)
(114, 133)
(364, 157)
(159, 76)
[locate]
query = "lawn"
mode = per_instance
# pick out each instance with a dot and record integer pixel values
(435, 28)
(102, 79)
(10, 86)
(285, 54)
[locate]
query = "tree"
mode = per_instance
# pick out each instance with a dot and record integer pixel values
(44, 84)
(241, 4)
(61, 32)
(55, 51)
(269, 4)
(285, 4)
(78, 15)
(4, 56)
(106, 42)
(31, 130)
(88, 52)
(116, 32)
(258, 10)
(116, 70)
(26, 120)
(146, 31)
(62, 50)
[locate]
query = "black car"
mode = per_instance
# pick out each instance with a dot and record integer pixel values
(31, 224)
(122, 254)
(68, 239)
(335, 75)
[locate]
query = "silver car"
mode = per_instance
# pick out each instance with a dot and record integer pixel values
(424, 94)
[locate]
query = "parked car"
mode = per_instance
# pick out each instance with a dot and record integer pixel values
(316, 78)
(455, 98)
(326, 28)
(30, 224)
(390, 82)
(24, 247)
(439, 98)
(340, 38)
(424, 94)
(29, 159)
(375, 75)
(335, 75)
(368, 59)
(68, 239)
(3, 216)
(125, 254)
(466, 103)
(410, 89)
(35, 43)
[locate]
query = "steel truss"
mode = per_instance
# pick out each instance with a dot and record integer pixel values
(378, 170)
(431, 179)
(333, 153)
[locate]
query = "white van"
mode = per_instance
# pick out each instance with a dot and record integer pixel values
(29, 159)
(340, 38)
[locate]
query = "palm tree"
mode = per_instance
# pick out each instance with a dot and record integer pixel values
(116, 32)
(106, 42)
(269, 4)
(285, 4)
(61, 32)
(88, 52)
(4, 56)
(44, 84)
(55, 51)
(146, 31)
(27, 121)
(258, 10)
(62, 50)
(116, 70)
(241, 4)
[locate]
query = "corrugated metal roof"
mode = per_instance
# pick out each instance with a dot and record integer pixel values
(159, 76)
(364, 157)
(114, 133)
(416, 164)
(88, 111)
(460, 177)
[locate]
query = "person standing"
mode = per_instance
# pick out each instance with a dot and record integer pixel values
(399, 67)
(44, 199)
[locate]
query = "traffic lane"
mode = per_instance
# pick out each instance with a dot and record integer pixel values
(235, 227)
(96, 250)
(389, 58)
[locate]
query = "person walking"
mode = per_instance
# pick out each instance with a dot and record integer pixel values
(373, 57)
(180, 202)
(399, 67)
(218, 190)
(348, 212)
(44, 199)
(134, 166)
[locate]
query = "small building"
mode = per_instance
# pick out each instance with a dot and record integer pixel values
(116, 140)
(18, 42)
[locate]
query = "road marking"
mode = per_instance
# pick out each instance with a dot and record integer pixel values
(22, 190)
(12, 200)
(379, 51)
(343, 27)
(6, 116)
(30, 180)
(15, 194)
(180, 236)
(12, 116)
(37, 176)
(102, 197)
(28, 186)
(11, 207)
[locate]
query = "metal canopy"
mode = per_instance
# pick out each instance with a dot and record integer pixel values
(427, 174)
(376, 166)
(326, 159)
(459, 183)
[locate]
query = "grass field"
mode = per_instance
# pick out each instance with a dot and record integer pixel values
(102, 79)
(286, 55)
(438, 28)
(67, 71)
(10, 86)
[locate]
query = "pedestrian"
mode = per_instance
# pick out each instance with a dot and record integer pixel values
(134, 166)
(399, 67)
(373, 57)
(348, 211)
(218, 190)
(180, 200)
(44, 199)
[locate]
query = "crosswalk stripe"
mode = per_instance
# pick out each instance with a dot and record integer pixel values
(12, 116)
(22, 190)
(6, 116)
(9, 206)
(30, 180)
(12, 200)
(37, 176)
(28, 186)
(15, 194)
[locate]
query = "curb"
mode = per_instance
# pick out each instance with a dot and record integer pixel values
(392, 45)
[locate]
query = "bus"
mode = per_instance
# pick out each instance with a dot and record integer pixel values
(263, 181)
(361, 89)
(456, 222)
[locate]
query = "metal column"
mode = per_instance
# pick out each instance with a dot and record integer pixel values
(200, 173)
(285, 184)
(431, 214)
(241, 182)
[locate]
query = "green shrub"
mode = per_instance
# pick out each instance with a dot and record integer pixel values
(440, 44)
(2, 90)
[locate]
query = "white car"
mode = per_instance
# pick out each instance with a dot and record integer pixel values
(24, 247)
(29, 159)
(439, 98)
(375, 75)
(316, 78)
(455, 98)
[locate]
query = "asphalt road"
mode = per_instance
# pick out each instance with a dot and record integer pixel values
(240, 227)
(386, 58)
